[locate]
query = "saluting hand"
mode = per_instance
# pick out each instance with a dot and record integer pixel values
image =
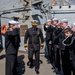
(18, 25)
(26, 48)
(41, 47)
(44, 24)
(50, 42)
(11, 29)
(68, 34)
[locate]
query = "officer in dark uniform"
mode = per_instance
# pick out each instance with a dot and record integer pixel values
(48, 28)
(64, 49)
(70, 42)
(34, 35)
(11, 47)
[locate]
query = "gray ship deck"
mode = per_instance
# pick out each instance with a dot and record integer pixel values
(23, 69)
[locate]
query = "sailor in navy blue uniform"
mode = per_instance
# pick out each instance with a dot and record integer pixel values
(11, 47)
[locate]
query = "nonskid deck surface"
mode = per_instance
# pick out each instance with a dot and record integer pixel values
(23, 68)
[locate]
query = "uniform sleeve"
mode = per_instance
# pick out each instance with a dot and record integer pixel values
(25, 38)
(16, 31)
(41, 37)
(19, 35)
(45, 28)
(49, 34)
(13, 33)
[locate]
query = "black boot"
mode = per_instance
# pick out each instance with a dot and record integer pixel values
(31, 65)
(37, 71)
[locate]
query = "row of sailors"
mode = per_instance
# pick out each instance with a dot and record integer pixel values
(60, 48)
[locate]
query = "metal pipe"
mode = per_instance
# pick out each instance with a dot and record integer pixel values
(1, 44)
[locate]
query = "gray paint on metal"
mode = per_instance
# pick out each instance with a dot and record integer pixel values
(37, 14)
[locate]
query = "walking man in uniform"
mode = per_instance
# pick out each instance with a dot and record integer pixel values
(11, 47)
(34, 35)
